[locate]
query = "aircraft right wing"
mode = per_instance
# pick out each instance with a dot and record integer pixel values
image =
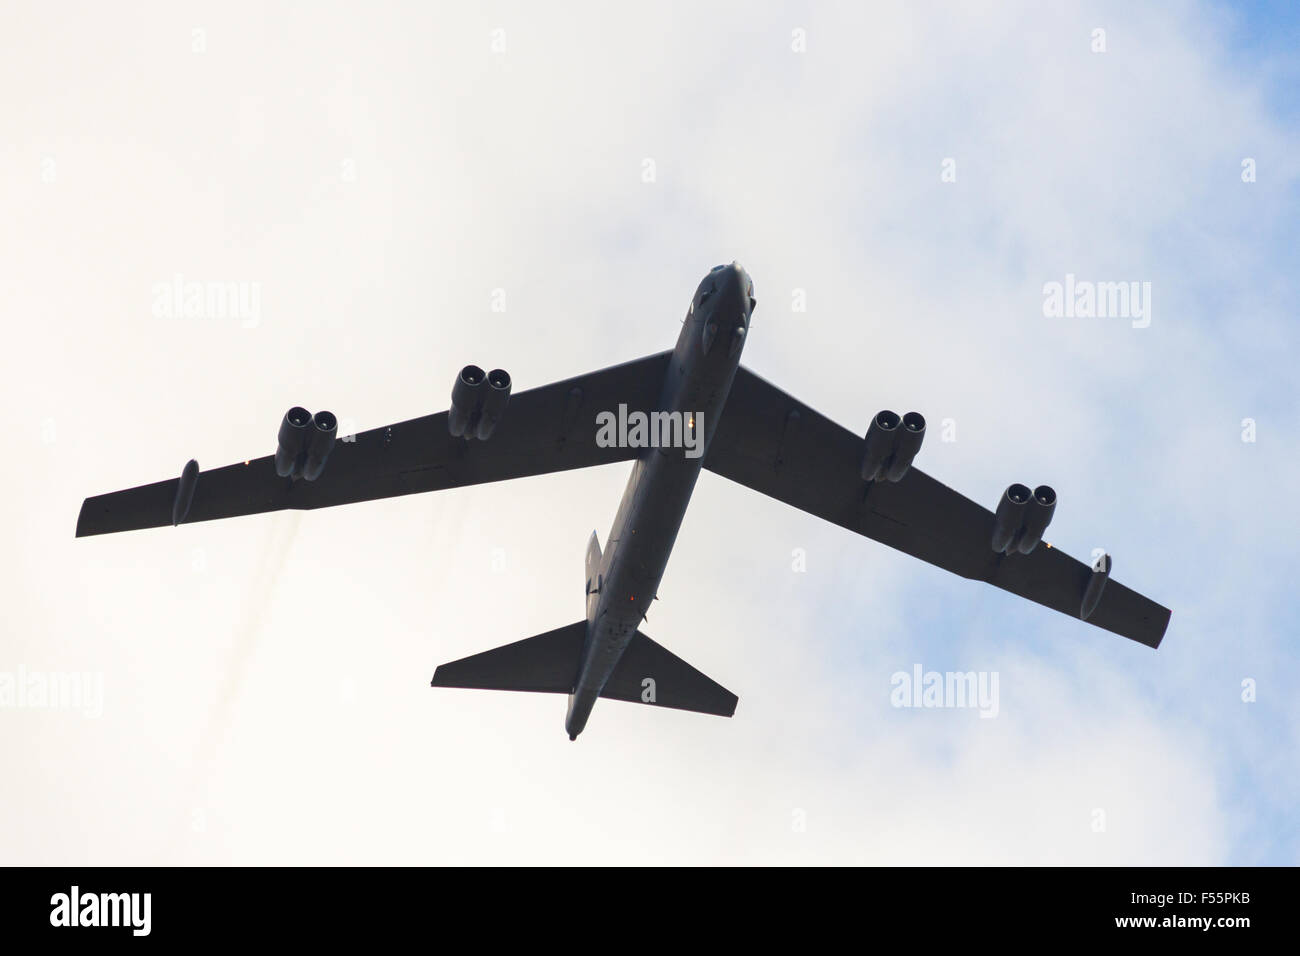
(543, 430)
(768, 441)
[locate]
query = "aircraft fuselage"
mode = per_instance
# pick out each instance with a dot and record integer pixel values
(622, 581)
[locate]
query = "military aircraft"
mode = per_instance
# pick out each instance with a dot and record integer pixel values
(670, 414)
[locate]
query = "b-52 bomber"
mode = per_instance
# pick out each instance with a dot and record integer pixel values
(671, 415)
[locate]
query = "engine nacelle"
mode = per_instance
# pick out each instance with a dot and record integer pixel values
(466, 401)
(879, 444)
(890, 445)
(1010, 517)
(494, 403)
(324, 430)
(1037, 517)
(292, 440)
(906, 445)
(478, 402)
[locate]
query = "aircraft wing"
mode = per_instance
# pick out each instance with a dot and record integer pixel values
(543, 430)
(768, 441)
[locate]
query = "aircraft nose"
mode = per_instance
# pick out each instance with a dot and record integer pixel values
(746, 286)
(734, 285)
(733, 276)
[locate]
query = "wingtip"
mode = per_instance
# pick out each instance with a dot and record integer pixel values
(1164, 629)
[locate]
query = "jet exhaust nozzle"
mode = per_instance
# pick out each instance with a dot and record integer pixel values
(906, 445)
(495, 399)
(1010, 517)
(1037, 517)
(879, 444)
(320, 443)
(466, 400)
(291, 441)
(890, 445)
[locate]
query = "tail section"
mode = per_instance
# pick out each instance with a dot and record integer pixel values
(549, 663)
(559, 662)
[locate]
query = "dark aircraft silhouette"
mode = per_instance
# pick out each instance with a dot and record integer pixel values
(671, 414)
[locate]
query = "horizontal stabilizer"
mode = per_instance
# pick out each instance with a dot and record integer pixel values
(649, 674)
(547, 663)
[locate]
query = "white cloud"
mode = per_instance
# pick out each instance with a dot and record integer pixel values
(380, 173)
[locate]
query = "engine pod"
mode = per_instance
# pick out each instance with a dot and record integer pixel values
(907, 444)
(324, 431)
(292, 440)
(878, 445)
(466, 400)
(1037, 517)
(1010, 517)
(495, 399)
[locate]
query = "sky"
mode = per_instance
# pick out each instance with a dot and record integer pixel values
(399, 190)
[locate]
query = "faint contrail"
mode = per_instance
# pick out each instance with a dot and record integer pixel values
(269, 567)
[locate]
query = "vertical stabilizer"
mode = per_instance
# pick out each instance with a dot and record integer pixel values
(593, 574)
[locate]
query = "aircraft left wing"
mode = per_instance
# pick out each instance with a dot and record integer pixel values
(543, 430)
(768, 441)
